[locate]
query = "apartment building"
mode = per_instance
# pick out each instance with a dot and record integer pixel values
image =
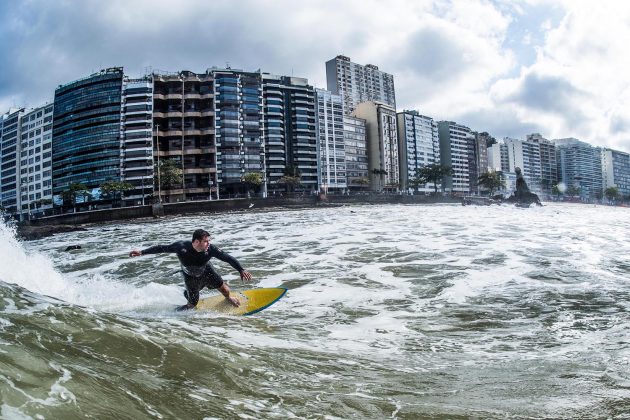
(86, 143)
(357, 83)
(35, 155)
(382, 142)
(580, 166)
(616, 171)
(355, 139)
(332, 175)
(136, 130)
(9, 160)
(548, 162)
(419, 145)
(457, 150)
(290, 131)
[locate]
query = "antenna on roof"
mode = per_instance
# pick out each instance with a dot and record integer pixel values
(227, 65)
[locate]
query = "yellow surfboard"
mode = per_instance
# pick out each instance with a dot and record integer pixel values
(252, 301)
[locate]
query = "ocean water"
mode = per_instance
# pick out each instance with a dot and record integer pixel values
(393, 311)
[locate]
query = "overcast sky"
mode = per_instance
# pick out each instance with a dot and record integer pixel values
(560, 68)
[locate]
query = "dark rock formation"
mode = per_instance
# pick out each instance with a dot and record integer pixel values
(523, 197)
(30, 233)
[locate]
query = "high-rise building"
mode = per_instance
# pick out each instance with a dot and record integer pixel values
(239, 126)
(137, 139)
(184, 133)
(580, 166)
(356, 153)
(382, 142)
(86, 144)
(616, 171)
(357, 83)
(548, 162)
(290, 131)
(331, 142)
(9, 160)
(419, 145)
(482, 142)
(35, 155)
(525, 155)
(457, 150)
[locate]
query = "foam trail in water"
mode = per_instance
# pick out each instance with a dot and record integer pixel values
(36, 272)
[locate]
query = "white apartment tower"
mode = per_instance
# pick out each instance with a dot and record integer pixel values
(357, 83)
(137, 138)
(457, 150)
(616, 171)
(419, 146)
(525, 155)
(382, 144)
(331, 142)
(35, 180)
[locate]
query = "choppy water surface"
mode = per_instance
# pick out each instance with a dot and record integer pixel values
(392, 312)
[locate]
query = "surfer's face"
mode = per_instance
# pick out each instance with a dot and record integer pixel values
(202, 245)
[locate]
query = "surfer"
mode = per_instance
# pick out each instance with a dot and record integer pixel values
(194, 257)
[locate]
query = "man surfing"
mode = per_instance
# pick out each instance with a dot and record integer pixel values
(194, 257)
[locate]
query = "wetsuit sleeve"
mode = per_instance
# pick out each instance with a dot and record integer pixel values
(158, 249)
(224, 256)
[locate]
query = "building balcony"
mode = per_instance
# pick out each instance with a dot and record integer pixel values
(200, 170)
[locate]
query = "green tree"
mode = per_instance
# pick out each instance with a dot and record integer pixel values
(292, 182)
(611, 193)
(492, 181)
(573, 191)
(115, 189)
(361, 181)
(170, 174)
(555, 190)
(252, 180)
(73, 191)
(435, 174)
(417, 181)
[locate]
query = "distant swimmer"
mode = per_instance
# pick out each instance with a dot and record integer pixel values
(194, 257)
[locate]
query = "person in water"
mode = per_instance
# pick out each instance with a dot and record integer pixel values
(194, 257)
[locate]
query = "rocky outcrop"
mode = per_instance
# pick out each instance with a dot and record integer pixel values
(30, 233)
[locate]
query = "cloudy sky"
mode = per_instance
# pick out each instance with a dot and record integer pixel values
(560, 68)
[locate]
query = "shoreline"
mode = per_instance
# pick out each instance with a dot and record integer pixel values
(69, 222)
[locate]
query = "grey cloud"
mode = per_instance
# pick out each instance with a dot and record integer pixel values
(552, 95)
(619, 124)
(431, 55)
(499, 123)
(51, 43)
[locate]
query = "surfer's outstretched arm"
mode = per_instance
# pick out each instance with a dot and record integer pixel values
(158, 249)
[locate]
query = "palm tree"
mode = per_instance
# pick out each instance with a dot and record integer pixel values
(611, 193)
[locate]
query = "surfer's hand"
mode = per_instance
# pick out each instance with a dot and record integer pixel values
(234, 301)
(246, 275)
(135, 253)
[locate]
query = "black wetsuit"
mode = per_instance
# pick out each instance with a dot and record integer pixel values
(196, 267)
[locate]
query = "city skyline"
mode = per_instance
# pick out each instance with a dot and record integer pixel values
(507, 68)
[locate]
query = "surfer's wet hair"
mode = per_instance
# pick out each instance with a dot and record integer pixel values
(199, 234)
